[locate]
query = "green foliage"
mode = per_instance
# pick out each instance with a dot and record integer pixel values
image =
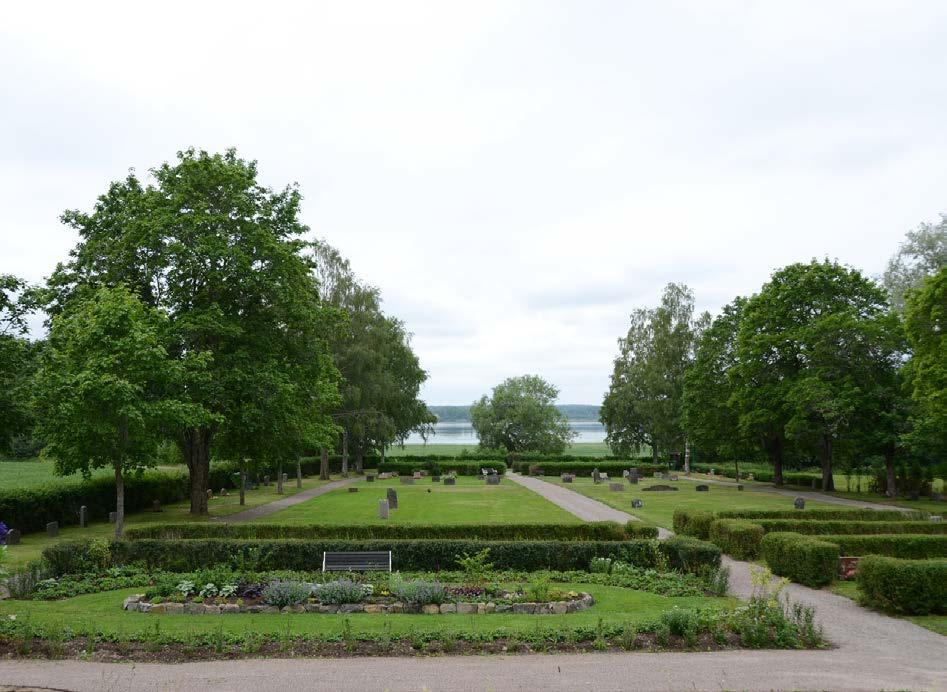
(915, 587)
(340, 591)
(286, 593)
(922, 254)
(475, 567)
(827, 526)
(822, 514)
(737, 537)
(691, 522)
(520, 416)
(769, 620)
(643, 406)
(417, 592)
(802, 559)
(459, 467)
(689, 554)
(906, 546)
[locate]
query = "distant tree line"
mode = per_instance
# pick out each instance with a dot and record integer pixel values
(461, 414)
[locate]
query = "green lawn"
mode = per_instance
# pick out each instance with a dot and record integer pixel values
(471, 501)
(103, 612)
(935, 623)
(41, 473)
(658, 508)
(33, 543)
(585, 449)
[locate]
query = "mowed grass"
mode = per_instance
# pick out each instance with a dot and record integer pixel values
(32, 544)
(471, 501)
(103, 612)
(658, 507)
(935, 623)
(41, 473)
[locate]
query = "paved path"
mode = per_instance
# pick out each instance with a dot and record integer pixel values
(277, 505)
(805, 494)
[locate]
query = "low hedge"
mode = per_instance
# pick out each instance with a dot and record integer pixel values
(738, 538)
(584, 469)
(421, 555)
(593, 531)
(914, 587)
(693, 522)
(462, 468)
(906, 546)
(852, 528)
(823, 514)
(689, 554)
(802, 559)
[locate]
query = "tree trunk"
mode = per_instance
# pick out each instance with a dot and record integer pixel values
(687, 458)
(654, 454)
(119, 501)
(195, 445)
(345, 454)
(243, 483)
(825, 452)
(383, 448)
(323, 464)
(736, 466)
(299, 473)
(774, 448)
(279, 478)
(891, 489)
(358, 461)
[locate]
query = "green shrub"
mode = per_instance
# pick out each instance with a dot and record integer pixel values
(916, 587)
(802, 559)
(905, 546)
(854, 528)
(693, 522)
(689, 554)
(286, 593)
(737, 537)
(822, 514)
(417, 592)
(340, 591)
(583, 469)
(593, 531)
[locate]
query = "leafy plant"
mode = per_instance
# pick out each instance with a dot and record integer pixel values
(185, 587)
(475, 567)
(286, 593)
(341, 591)
(538, 589)
(417, 591)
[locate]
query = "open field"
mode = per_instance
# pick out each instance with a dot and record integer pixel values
(103, 612)
(471, 501)
(33, 543)
(658, 507)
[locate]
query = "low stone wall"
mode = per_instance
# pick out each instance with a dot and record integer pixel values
(134, 603)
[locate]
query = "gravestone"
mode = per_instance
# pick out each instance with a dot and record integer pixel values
(799, 503)
(567, 478)
(210, 494)
(450, 480)
(616, 487)
(370, 478)
(435, 479)
(417, 475)
(637, 504)
(392, 498)
(660, 488)
(633, 479)
(937, 497)
(633, 472)
(596, 478)
(711, 472)
(353, 489)
(383, 509)
(673, 477)
(934, 517)
(703, 488)
(156, 506)
(406, 480)
(83, 516)
(285, 477)
(739, 486)
(52, 529)
(493, 480)
(13, 537)
(223, 492)
(113, 516)
(814, 482)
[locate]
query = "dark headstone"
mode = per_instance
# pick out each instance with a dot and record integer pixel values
(703, 488)
(383, 509)
(113, 517)
(435, 479)
(83, 516)
(660, 488)
(633, 479)
(353, 489)
(156, 506)
(739, 486)
(52, 529)
(616, 487)
(392, 498)
(799, 503)
(13, 537)
(937, 497)
(637, 504)
(493, 480)
(450, 480)
(370, 477)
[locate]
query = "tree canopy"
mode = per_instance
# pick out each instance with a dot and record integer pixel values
(521, 416)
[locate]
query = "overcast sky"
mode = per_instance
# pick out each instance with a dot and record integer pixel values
(515, 177)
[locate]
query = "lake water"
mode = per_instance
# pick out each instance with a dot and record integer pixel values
(461, 433)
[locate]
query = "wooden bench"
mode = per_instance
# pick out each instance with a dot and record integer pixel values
(379, 561)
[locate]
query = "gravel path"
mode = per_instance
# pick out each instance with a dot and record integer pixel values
(277, 505)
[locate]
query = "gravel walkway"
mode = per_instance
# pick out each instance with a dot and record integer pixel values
(289, 501)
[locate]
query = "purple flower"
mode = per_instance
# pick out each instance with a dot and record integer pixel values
(3, 533)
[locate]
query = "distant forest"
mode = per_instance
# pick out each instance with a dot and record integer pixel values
(461, 414)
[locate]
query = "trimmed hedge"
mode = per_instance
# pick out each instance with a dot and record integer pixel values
(852, 528)
(426, 555)
(820, 514)
(737, 537)
(693, 522)
(906, 546)
(462, 468)
(689, 554)
(802, 559)
(584, 469)
(593, 531)
(915, 587)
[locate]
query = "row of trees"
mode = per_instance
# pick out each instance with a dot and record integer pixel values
(822, 363)
(193, 310)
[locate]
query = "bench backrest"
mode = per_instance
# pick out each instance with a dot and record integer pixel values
(377, 561)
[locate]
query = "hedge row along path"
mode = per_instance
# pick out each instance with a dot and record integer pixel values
(277, 505)
(804, 494)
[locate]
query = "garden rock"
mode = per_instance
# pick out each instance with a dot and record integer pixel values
(396, 608)
(350, 607)
(132, 600)
(504, 608)
(447, 608)
(211, 609)
(193, 608)
(431, 609)
(299, 608)
(229, 608)
(560, 608)
(173, 608)
(374, 608)
(466, 608)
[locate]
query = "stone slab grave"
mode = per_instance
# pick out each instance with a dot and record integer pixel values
(493, 480)
(596, 476)
(83, 516)
(392, 498)
(567, 478)
(156, 506)
(799, 503)
(52, 529)
(383, 509)
(13, 537)
(406, 480)
(353, 489)
(417, 475)
(616, 487)
(938, 518)
(112, 517)
(739, 486)
(703, 488)
(637, 504)
(450, 480)
(660, 488)
(435, 479)
(369, 477)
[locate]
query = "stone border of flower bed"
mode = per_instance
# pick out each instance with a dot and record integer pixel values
(584, 600)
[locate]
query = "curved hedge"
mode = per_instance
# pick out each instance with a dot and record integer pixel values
(802, 559)
(737, 537)
(689, 554)
(915, 587)
(852, 528)
(820, 514)
(592, 531)
(906, 546)
(693, 522)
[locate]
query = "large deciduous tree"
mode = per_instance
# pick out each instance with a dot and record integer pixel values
(16, 360)
(521, 416)
(643, 406)
(220, 254)
(922, 254)
(103, 388)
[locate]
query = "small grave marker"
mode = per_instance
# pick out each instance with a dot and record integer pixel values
(616, 487)
(637, 504)
(52, 529)
(493, 480)
(13, 537)
(156, 506)
(370, 478)
(383, 509)
(799, 503)
(353, 488)
(703, 488)
(406, 480)
(392, 498)
(83, 516)
(450, 480)
(113, 516)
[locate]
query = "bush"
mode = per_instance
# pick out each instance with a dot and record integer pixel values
(854, 528)
(906, 546)
(802, 559)
(693, 522)
(916, 587)
(24, 446)
(339, 591)
(583, 469)
(593, 531)
(461, 468)
(689, 554)
(822, 514)
(417, 592)
(737, 537)
(286, 593)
